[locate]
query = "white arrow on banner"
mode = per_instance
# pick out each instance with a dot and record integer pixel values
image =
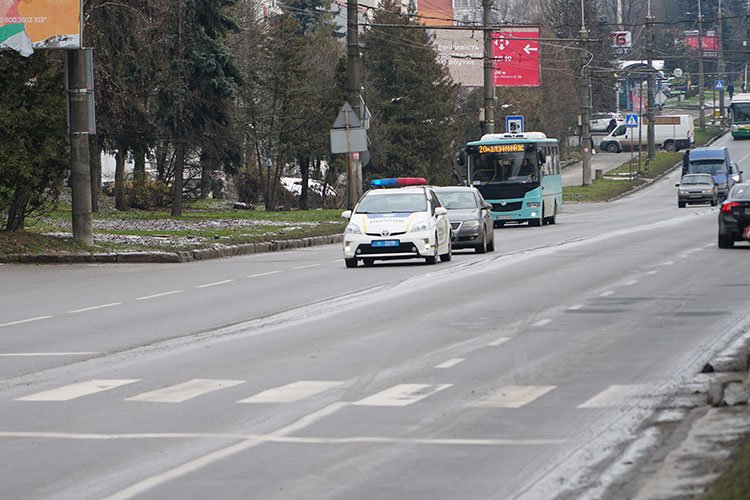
(529, 48)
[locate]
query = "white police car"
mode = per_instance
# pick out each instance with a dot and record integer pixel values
(404, 222)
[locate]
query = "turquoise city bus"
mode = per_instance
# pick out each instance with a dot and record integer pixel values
(519, 174)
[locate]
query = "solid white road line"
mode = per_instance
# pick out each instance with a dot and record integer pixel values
(216, 283)
(607, 293)
(187, 390)
(292, 392)
(22, 321)
(450, 363)
(42, 354)
(401, 395)
(498, 341)
(280, 439)
(94, 308)
(157, 295)
(258, 275)
(612, 396)
(515, 396)
(543, 322)
(306, 267)
(73, 391)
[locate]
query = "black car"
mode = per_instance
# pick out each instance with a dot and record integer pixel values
(470, 217)
(734, 217)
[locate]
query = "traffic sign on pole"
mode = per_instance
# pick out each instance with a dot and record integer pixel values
(514, 124)
(719, 84)
(631, 120)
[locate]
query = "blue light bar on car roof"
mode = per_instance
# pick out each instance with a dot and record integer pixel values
(399, 181)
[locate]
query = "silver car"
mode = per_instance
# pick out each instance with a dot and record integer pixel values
(470, 217)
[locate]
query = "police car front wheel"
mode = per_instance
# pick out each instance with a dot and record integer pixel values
(350, 262)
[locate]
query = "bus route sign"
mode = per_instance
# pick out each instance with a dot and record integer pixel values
(515, 54)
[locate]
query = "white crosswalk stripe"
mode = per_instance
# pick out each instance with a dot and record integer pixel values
(292, 392)
(614, 395)
(73, 391)
(402, 395)
(184, 391)
(515, 396)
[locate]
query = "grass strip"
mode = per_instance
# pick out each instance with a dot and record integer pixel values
(734, 483)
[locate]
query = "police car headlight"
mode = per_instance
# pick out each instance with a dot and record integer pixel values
(420, 226)
(471, 224)
(352, 229)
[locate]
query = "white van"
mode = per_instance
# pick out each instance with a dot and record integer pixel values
(672, 132)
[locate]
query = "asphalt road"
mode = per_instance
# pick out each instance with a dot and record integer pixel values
(505, 375)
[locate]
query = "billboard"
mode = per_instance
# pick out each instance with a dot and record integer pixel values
(516, 57)
(709, 41)
(461, 51)
(26, 25)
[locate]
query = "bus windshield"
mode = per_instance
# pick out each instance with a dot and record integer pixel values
(741, 112)
(516, 167)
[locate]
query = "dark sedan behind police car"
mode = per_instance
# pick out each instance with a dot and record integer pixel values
(734, 217)
(470, 217)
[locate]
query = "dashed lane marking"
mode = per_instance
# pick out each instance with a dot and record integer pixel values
(651, 273)
(667, 263)
(450, 363)
(608, 293)
(575, 307)
(184, 391)
(515, 396)
(498, 341)
(614, 395)
(22, 321)
(402, 395)
(543, 322)
(157, 295)
(73, 391)
(94, 308)
(258, 275)
(216, 283)
(630, 283)
(292, 392)
(306, 267)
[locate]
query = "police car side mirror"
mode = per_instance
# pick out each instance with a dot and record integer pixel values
(441, 211)
(347, 214)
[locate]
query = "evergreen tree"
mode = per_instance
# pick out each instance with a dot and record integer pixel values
(33, 141)
(412, 99)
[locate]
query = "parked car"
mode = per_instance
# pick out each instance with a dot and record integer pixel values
(470, 217)
(600, 121)
(734, 216)
(671, 132)
(697, 188)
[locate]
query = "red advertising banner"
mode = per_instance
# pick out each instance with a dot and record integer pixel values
(709, 41)
(515, 52)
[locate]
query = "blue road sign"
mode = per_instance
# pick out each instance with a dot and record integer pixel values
(514, 124)
(631, 121)
(719, 84)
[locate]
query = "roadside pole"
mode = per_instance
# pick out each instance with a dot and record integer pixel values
(720, 64)
(489, 84)
(585, 103)
(701, 77)
(353, 89)
(80, 171)
(651, 83)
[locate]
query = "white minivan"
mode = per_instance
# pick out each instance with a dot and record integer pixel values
(671, 132)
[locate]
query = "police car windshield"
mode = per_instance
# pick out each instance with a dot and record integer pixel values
(394, 202)
(707, 167)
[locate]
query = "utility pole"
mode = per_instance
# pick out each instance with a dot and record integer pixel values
(79, 145)
(720, 65)
(489, 83)
(585, 102)
(353, 87)
(649, 39)
(701, 76)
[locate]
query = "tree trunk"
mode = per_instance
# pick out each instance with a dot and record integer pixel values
(139, 169)
(179, 166)
(17, 210)
(95, 163)
(304, 168)
(207, 168)
(121, 202)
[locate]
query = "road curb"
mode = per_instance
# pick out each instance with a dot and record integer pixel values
(217, 252)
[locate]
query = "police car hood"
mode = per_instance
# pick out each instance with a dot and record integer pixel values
(399, 222)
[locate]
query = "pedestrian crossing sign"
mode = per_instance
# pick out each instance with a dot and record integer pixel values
(719, 84)
(631, 121)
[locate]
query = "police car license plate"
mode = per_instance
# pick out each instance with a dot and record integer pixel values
(385, 243)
